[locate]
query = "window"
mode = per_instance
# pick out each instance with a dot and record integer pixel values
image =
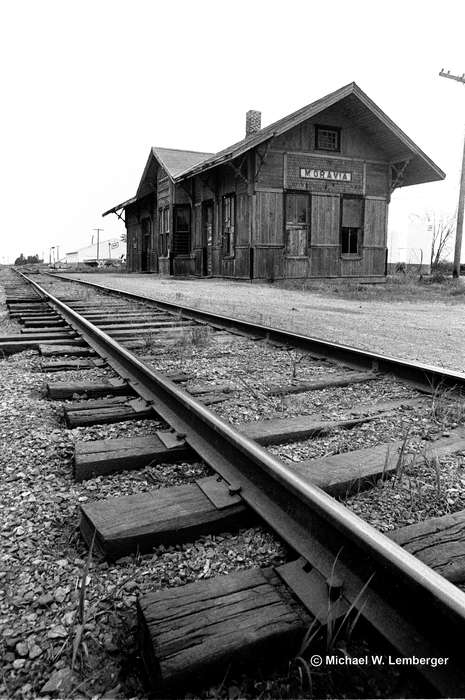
(182, 230)
(327, 138)
(351, 229)
(229, 224)
(297, 224)
(163, 231)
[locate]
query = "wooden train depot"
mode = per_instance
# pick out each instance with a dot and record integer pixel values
(306, 197)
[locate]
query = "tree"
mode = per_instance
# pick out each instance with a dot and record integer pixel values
(30, 260)
(442, 231)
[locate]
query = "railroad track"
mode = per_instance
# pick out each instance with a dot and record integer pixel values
(341, 566)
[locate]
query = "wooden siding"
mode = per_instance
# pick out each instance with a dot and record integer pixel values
(377, 179)
(355, 142)
(296, 267)
(371, 263)
(242, 262)
(271, 171)
(325, 261)
(375, 224)
(268, 262)
(269, 218)
(325, 220)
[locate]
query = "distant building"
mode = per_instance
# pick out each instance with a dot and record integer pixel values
(302, 198)
(110, 249)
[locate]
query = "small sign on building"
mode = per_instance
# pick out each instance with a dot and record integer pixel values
(319, 174)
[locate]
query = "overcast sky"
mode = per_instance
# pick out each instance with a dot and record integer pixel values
(89, 87)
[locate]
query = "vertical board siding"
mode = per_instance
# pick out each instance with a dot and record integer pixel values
(374, 233)
(325, 220)
(242, 265)
(242, 219)
(268, 263)
(377, 179)
(325, 262)
(295, 268)
(269, 218)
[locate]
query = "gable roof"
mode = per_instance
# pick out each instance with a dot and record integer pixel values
(175, 161)
(352, 101)
(363, 111)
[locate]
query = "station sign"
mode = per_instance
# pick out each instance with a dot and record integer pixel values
(320, 174)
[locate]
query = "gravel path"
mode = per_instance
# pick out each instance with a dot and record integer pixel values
(430, 331)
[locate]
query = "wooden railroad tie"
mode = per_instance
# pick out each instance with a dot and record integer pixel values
(163, 516)
(11, 347)
(51, 350)
(105, 387)
(114, 386)
(70, 364)
(438, 542)
(331, 380)
(190, 631)
(102, 457)
(104, 411)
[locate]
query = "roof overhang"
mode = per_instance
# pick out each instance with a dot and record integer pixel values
(120, 207)
(357, 106)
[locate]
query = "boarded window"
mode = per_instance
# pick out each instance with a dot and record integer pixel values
(351, 230)
(297, 237)
(229, 223)
(327, 138)
(182, 230)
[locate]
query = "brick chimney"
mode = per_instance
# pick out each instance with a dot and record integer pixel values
(253, 122)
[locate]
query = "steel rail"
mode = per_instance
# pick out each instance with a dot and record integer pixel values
(426, 375)
(418, 611)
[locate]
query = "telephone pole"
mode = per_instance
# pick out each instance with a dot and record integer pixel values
(459, 229)
(98, 240)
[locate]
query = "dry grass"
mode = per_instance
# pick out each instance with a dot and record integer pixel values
(407, 287)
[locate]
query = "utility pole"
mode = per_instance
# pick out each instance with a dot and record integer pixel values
(98, 240)
(459, 229)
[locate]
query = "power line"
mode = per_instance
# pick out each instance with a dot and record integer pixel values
(459, 229)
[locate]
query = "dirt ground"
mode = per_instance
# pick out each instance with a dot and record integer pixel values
(427, 330)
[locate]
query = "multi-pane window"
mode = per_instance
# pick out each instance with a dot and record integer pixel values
(351, 229)
(163, 231)
(229, 223)
(182, 230)
(297, 224)
(327, 138)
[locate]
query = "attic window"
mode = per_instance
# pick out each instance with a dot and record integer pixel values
(327, 138)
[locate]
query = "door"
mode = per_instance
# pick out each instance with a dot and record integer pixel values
(297, 237)
(207, 237)
(146, 244)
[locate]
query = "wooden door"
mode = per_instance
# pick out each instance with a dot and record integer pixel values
(146, 244)
(297, 224)
(207, 235)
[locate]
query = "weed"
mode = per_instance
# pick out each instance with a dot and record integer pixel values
(332, 636)
(148, 342)
(447, 406)
(401, 459)
(295, 360)
(78, 641)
